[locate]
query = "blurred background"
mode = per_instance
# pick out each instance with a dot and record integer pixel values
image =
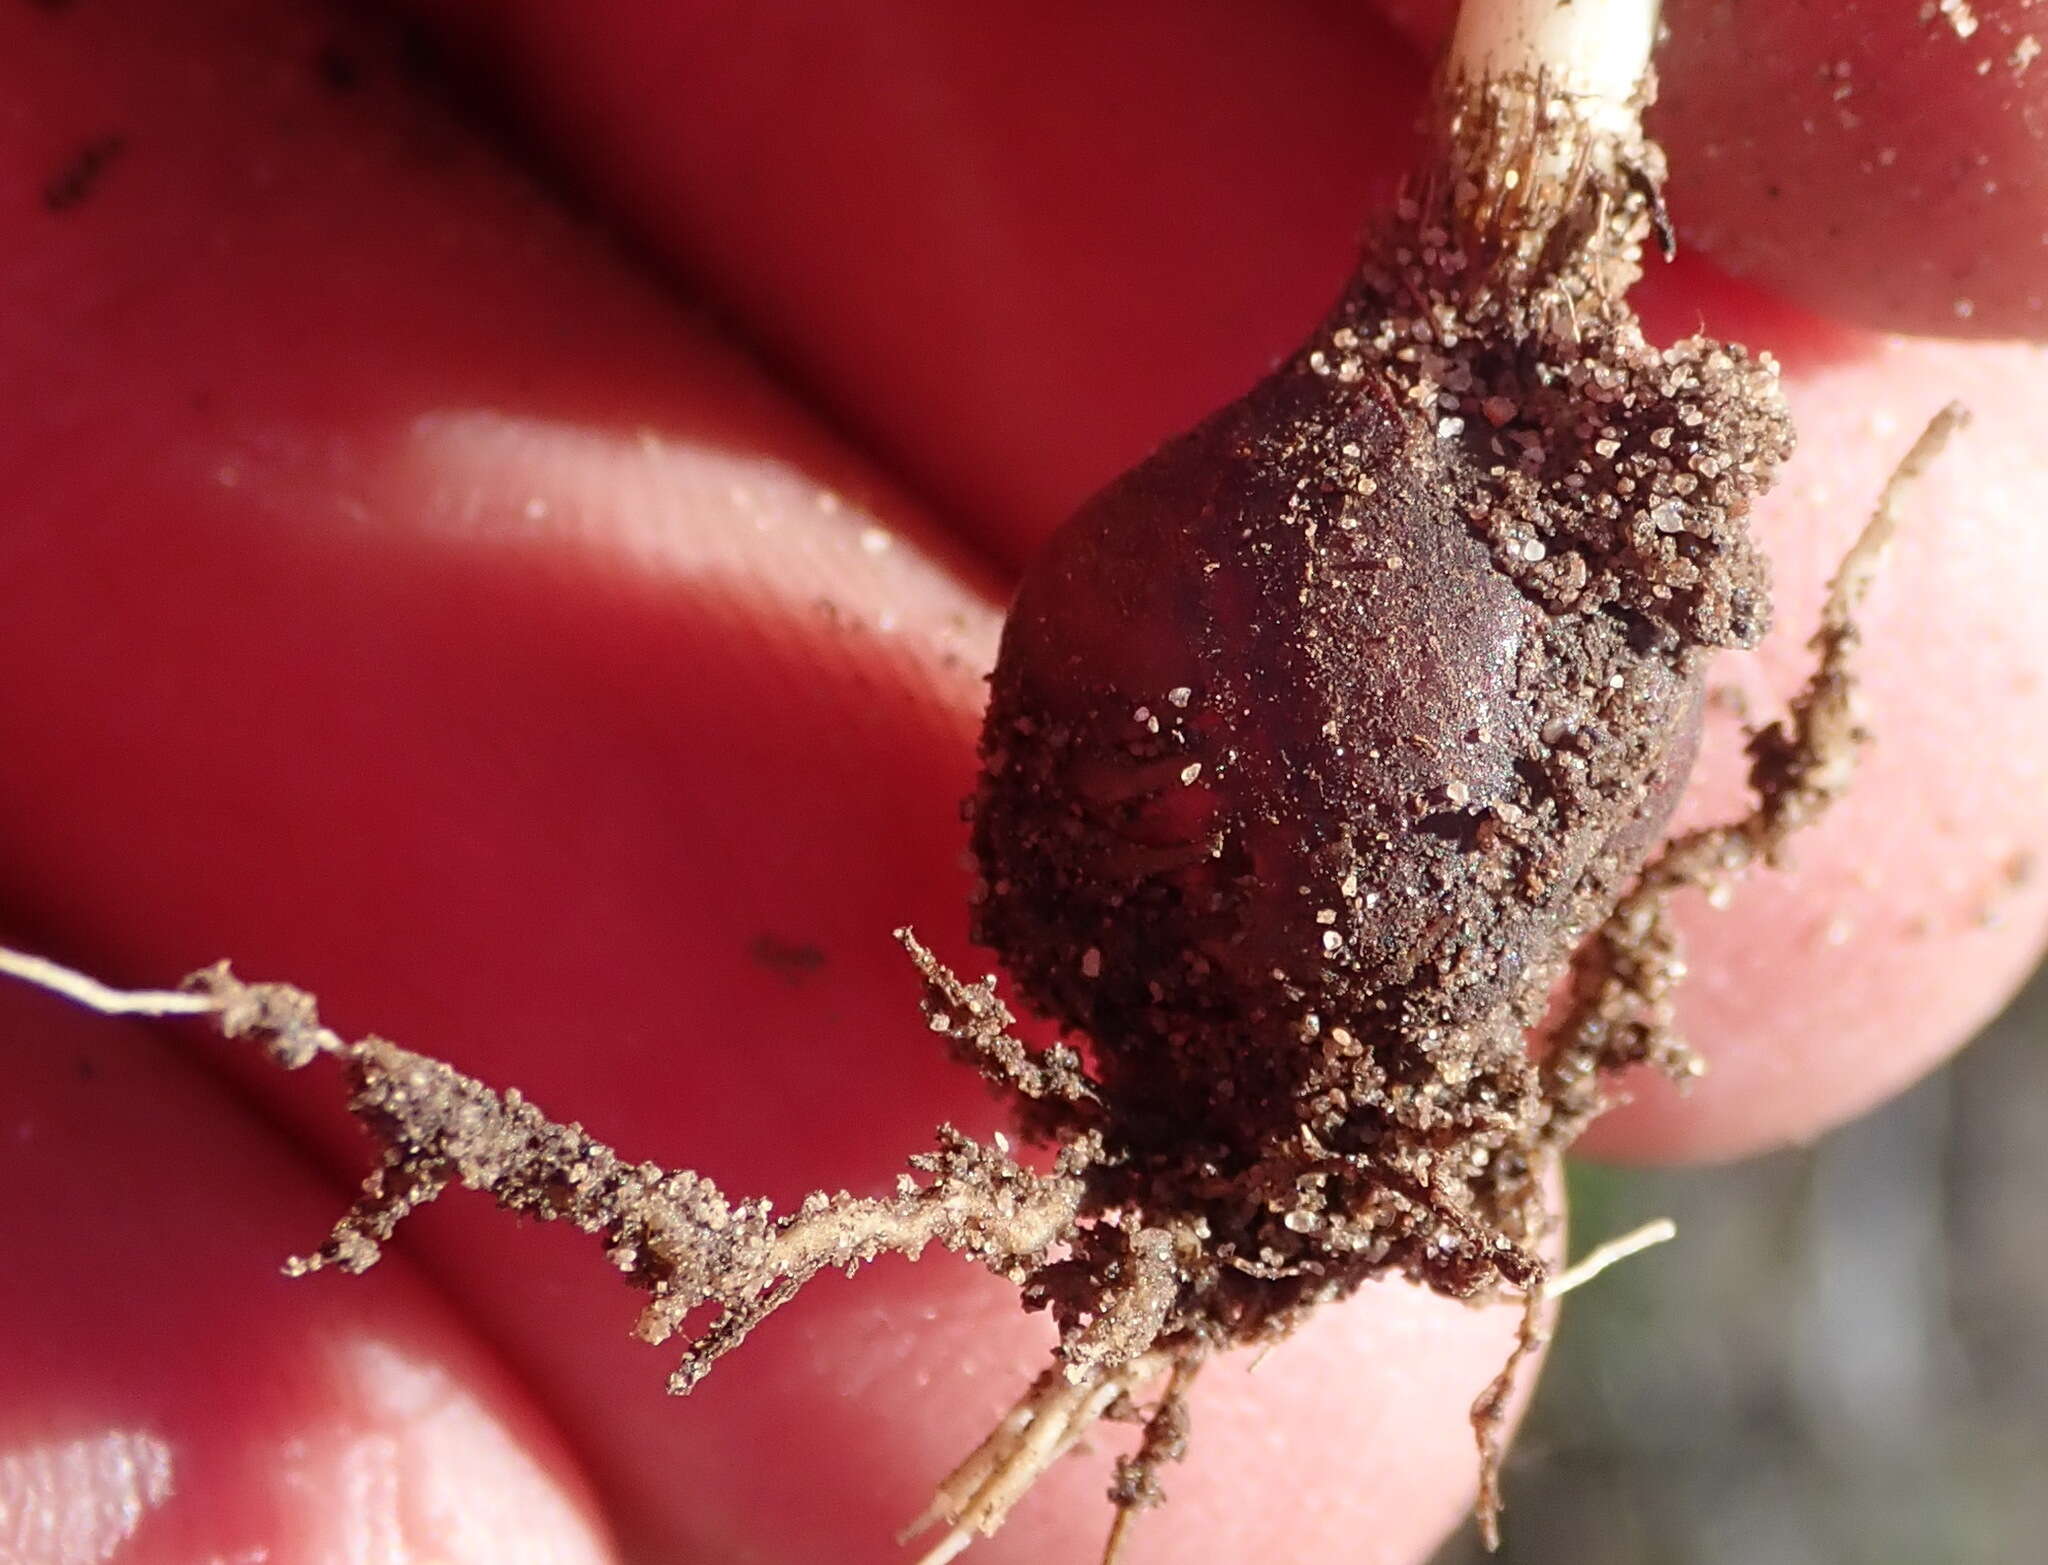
(1842, 1358)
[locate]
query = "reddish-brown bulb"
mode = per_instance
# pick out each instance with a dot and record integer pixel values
(1276, 746)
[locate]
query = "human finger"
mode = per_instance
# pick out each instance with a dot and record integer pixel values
(407, 599)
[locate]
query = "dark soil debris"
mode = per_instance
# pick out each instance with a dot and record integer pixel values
(793, 961)
(73, 184)
(338, 68)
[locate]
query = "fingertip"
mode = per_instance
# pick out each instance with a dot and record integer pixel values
(1884, 164)
(166, 1395)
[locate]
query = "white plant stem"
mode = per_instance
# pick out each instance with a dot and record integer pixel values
(1596, 52)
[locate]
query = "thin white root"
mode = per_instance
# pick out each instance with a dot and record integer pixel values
(103, 998)
(1044, 1438)
(950, 1498)
(1860, 566)
(1119, 1535)
(1600, 1257)
(1046, 1423)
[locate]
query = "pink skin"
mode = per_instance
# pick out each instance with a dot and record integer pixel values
(405, 595)
(169, 1401)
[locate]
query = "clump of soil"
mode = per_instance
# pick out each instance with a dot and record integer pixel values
(1322, 746)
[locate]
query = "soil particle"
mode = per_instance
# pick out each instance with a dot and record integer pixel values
(1731, 698)
(1957, 14)
(2013, 876)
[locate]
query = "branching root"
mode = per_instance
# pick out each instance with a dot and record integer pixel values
(671, 1232)
(1622, 1013)
(1044, 1424)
